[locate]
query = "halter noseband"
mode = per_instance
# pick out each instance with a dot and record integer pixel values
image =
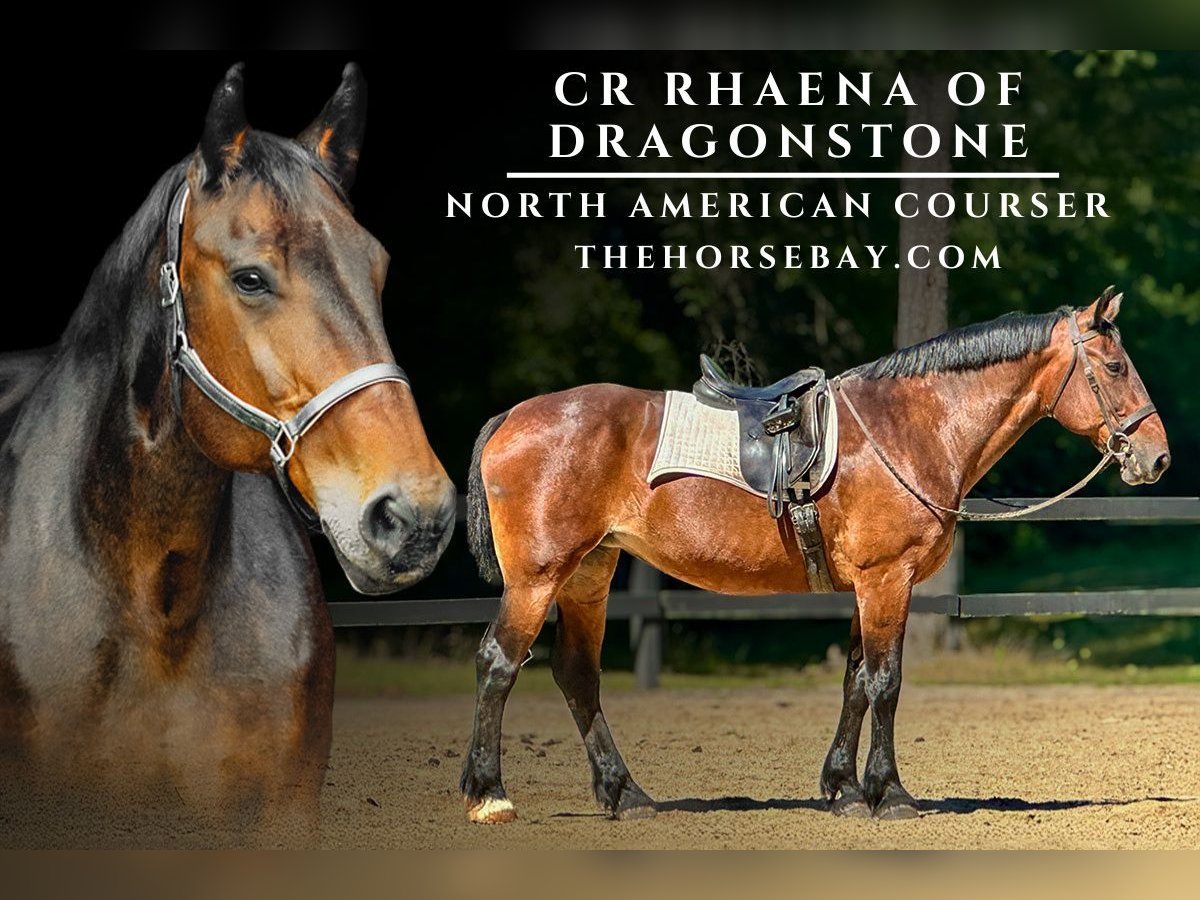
(1118, 429)
(284, 434)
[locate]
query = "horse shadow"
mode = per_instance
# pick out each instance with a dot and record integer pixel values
(944, 806)
(739, 804)
(717, 804)
(967, 805)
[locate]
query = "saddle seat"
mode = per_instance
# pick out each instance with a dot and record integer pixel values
(713, 377)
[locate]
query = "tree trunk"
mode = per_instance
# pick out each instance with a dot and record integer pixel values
(923, 313)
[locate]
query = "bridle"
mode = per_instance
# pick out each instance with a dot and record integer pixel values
(284, 434)
(1116, 447)
(1117, 444)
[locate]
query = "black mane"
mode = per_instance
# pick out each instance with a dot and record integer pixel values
(974, 346)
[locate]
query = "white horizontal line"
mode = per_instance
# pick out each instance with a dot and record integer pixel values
(796, 176)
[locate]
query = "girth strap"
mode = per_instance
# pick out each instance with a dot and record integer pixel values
(283, 434)
(806, 522)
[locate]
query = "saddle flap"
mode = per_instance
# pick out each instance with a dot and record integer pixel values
(779, 442)
(806, 439)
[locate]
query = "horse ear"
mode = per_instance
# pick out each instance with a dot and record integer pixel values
(224, 128)
(1106, 307)
(336, 135)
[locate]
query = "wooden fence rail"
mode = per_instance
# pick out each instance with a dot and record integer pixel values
(647, 605)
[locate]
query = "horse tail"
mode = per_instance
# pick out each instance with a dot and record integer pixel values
(479, 518)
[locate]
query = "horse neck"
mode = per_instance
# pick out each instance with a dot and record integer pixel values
(963, 422)
(149, 503)
(152, 502)
(1002, 401)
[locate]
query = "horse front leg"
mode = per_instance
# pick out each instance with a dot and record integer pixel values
(883, 603)
(839, 777)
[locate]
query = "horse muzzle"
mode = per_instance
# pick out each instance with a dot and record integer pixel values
(1144, 466)
(393, 540)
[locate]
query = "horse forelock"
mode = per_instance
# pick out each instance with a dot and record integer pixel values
(283, 165)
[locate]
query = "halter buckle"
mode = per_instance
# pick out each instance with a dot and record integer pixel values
(180, 345)
(1118, 444)
(168, 277)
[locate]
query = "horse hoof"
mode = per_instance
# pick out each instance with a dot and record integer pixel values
(896, 809)
(851, 806)
(635, 804)
(491, 811)
(631, 813)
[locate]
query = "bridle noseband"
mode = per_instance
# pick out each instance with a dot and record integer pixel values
(1118, 429)
(284, 434)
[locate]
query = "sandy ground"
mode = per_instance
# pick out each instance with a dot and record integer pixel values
(1011, 767)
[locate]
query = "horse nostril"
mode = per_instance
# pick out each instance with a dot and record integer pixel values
(392, 513)
(386, 520)
(1160, 464)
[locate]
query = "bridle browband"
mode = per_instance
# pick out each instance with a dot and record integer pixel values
(1116, 447)
(284, 434)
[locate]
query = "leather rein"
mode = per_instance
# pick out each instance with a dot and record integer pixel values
(284, 434)
(1116, 447)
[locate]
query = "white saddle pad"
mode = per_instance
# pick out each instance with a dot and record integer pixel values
(696, 439)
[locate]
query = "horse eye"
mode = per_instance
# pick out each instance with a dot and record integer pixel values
(1115, 367)
(249, 282)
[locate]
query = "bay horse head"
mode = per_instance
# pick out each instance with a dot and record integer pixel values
(288, 366)
(1102, 397)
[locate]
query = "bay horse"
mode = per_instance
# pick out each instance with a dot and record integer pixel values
(162, 620)
(558, 488)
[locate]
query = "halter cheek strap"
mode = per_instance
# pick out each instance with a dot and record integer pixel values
(1118, 428)
(284, 434)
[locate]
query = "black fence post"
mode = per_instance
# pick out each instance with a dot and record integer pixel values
(645, 632)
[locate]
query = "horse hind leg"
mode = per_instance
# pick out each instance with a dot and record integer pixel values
(839, 777)
(504, 647)
(582, 605)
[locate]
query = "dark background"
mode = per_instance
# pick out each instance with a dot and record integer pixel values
(483, 314)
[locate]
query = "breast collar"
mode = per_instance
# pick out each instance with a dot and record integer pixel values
(283, 434)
